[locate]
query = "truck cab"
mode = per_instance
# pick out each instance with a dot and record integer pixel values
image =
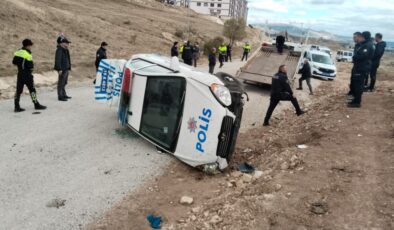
(192, 115)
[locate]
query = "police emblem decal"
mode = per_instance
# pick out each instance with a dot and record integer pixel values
(192, 125)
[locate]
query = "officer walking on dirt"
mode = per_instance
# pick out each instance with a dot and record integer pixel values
(362, 61)
(379, 51)
(281, 91)
(212, 60)
(306, 75)
(101, 54)
(222, 54)
(62, 66)
(229, 52)
(247, 49)
(23, 59)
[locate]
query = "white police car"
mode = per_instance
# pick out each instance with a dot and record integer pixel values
(191, 114)
(322, 66)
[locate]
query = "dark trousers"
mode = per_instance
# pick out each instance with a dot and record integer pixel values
(211, 68)
(308, 82)
(276, 99)
(195, 62)
(357, 86)
(229, 56)
(21, 81)
(373, 73)
(245, 56)
(280, 48)
(222, 57)
(61, 84)
(188, 61)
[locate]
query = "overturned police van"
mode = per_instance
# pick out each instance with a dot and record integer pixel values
(190, 114)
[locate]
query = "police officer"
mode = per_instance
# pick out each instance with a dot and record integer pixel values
(222, 54)
(379, 51)
(280, 43)
(174, 50)
(212, 60)
(63, 66)
(306, 75)
(281, 91)
(23, 59)
(196, 53)
(362, 61)
(101, 54)
(356, 39)
(187, 53)
(247, 49)
(229, 52)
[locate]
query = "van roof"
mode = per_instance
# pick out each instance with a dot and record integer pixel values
(184, 70)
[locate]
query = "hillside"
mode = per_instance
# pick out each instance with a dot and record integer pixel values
(129, 26)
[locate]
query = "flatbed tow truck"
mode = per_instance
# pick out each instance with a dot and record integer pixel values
(262, 66)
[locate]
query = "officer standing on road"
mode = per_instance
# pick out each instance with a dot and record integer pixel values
(362, 61)
(280, 43)
(174, 50)
(379, 51)
(212, 60)
(306, 75)
(196, 53)
(187, 53)
(229, 52)
(247, 49)
(63, 66)
(281, 91)
(23, 59)
(222, 54)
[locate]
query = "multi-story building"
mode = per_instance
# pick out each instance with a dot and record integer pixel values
(224, 9)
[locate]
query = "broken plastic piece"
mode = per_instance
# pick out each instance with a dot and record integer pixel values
(155, 221)
(246, 168)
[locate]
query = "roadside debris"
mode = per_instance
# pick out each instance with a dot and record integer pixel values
(34, 113)
(302, 146)
(319, 208)
(246, 168)
(155, 221)
(56, 203)
(186, 200)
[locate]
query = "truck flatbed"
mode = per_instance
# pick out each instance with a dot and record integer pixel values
(261, 67)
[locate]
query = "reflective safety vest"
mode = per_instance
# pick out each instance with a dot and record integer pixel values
(223, 49)
(181, 49)
(24, 54)
(247, 48)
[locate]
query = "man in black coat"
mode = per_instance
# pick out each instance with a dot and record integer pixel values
(187, 54)
(174, 50)
(212, 60)
(101, 54)
(379, 51)
(281, 91)
(362, 61)
(306, 75)
(23, 59)
(280, 43)
(62, 66)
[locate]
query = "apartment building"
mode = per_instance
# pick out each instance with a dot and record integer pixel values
(224, 9)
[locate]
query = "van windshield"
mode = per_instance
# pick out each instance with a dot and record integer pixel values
(321, 59)
(162, 111)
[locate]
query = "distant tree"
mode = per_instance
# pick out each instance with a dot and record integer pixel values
(234, 30)
(213, 43)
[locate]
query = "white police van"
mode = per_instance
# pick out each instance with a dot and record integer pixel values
(322, 66)
(191, 114)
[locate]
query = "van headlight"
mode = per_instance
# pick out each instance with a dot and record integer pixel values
(222, 94)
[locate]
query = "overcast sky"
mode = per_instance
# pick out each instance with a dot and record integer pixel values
(341, 17)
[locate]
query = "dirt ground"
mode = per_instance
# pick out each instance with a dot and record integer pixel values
(343, 179)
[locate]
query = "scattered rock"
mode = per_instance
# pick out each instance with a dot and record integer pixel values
(248, 150)
(56, 203)
(196, 209)
(319, 208)
(236, 174)
(215, 219)
(284, 166)
(247, 178)
(269, 196)
(257, 174)
(186, 200)
(278, 187)
(193, 218)
(206, 213)
(302, 146)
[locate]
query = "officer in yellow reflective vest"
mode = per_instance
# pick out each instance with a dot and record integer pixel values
(222, 54)
(247, 49)
(23, 59)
